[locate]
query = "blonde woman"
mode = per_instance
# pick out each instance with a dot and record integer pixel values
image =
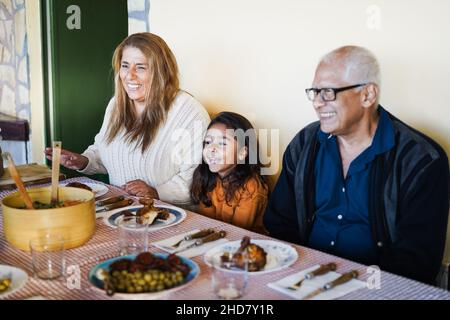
(151, 138)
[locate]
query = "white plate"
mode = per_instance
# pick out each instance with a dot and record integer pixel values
(18, 279)
(279, 255)
(176, 215)
(97, 188)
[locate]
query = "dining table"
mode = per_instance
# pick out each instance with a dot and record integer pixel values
(104, 245)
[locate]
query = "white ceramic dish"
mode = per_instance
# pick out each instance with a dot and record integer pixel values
(18, 279)
(176, 215)
(279, 255)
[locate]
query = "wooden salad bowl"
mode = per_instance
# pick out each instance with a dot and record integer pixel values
(75, 223)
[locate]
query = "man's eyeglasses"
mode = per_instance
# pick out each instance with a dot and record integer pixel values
(328, 94)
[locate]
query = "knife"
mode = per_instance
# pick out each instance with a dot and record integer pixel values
(199, 234)
(120, 204)
(346, 277)
(323, 269)
(212, 237)
(108, 201)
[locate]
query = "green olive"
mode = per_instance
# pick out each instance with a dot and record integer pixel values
(141, 282)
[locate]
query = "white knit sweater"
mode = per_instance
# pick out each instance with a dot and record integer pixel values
(168, 163)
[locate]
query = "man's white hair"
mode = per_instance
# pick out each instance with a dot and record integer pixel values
(360, 64)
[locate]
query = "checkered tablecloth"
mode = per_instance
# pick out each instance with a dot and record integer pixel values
(103, 246)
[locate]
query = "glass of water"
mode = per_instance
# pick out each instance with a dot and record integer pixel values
(133, 236)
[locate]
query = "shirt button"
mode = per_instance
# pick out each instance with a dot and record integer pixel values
(332, 243)
(343, 189)
(339, 217)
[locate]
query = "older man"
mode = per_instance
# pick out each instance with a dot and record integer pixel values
(360, 183)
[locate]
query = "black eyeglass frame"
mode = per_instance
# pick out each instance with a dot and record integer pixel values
(335, 91)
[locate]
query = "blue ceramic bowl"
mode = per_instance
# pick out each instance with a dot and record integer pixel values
(98, 283)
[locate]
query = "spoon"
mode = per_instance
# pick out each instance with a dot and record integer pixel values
(20, 186)
(56, 158)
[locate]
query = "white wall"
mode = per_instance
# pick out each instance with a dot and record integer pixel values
(257, 56)
(36, 80)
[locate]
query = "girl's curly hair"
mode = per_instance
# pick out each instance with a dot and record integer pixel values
(204, 180)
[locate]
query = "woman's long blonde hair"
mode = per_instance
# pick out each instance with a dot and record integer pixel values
(163, 90)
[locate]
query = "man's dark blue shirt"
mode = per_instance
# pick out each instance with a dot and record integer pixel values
(341, 225)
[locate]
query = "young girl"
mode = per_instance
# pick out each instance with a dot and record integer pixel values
(228, 185)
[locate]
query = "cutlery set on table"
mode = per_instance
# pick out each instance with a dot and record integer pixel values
(319, 282)
(192, 243)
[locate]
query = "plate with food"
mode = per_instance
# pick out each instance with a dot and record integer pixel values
(143, 276)
(264, 256)
(97, 188)
(11, 280)
(157, 217)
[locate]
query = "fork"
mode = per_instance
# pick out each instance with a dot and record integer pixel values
(323, 269)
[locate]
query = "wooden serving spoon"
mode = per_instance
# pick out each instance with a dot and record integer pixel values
(56, 159)
(20, 186)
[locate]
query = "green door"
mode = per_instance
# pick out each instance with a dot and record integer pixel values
(79, 40)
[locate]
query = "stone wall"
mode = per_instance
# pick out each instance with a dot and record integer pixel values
(14, 72)
(14, 75)
(138, 16)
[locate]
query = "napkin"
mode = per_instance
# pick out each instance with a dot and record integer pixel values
(189, 253)
(309, 286)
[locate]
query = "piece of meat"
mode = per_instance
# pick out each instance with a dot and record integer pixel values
(163, 214)
(149, 214)
(145, 258)
(146, 215)
(127, 213)
(78, 185)
(146, 202)
(121, 264)
(255, 255)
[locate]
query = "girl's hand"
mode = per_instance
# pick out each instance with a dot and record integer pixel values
(70, 160)
(140, 189)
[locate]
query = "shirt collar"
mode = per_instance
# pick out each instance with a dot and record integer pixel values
(383, 139)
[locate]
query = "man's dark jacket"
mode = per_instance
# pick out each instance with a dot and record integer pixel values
(408, 200)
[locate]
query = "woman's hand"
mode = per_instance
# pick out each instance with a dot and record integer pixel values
(70, 160)
(140, 189)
